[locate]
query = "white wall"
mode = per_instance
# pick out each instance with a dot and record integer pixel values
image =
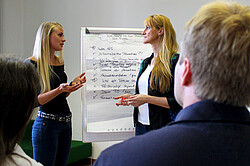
(21, 18)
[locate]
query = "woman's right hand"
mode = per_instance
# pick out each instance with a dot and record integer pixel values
(122, 97)
(44, 98)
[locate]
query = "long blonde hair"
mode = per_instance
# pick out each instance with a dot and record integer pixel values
(41, 52)
(161, 73)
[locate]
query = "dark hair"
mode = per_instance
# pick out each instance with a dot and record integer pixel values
(18, 95)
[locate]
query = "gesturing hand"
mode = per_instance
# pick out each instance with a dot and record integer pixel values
(79, 79)
(65, 87)
(123, 97)
(137, 100)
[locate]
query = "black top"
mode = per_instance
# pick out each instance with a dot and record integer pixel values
(58, 105)
(159, 116)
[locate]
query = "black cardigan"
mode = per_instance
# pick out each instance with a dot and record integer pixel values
(159, 116)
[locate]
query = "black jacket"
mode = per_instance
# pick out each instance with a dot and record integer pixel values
(159, 116)
(204, 134)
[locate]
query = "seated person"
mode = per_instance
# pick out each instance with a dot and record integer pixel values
(18, 95)
(212, 83)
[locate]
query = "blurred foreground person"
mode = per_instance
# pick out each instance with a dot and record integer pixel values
(18, 96)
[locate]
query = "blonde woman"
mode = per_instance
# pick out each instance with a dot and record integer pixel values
(51, 132)
(154, 102)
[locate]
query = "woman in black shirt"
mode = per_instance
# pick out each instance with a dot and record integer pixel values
(52, 132)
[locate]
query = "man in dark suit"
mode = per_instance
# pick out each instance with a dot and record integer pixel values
(212, 83)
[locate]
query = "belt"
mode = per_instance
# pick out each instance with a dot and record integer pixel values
(54, 117)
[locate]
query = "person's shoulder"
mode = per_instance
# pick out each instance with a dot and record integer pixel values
(154, 144)
(20, 158)
(31, 59)
(175, 56)
(144, 141)
(148, 59)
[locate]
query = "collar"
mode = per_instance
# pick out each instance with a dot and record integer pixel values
(208, 110)
(148, 60)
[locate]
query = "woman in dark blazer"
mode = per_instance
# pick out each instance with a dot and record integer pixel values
(154, 102)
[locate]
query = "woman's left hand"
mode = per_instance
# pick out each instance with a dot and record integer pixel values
(65, 87)
(81, 79)
(137, 100)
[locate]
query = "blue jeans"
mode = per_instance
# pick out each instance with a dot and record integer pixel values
(51, 141)
(141, 129)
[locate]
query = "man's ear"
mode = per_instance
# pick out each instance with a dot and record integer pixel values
(187, 74)
(161, 31)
